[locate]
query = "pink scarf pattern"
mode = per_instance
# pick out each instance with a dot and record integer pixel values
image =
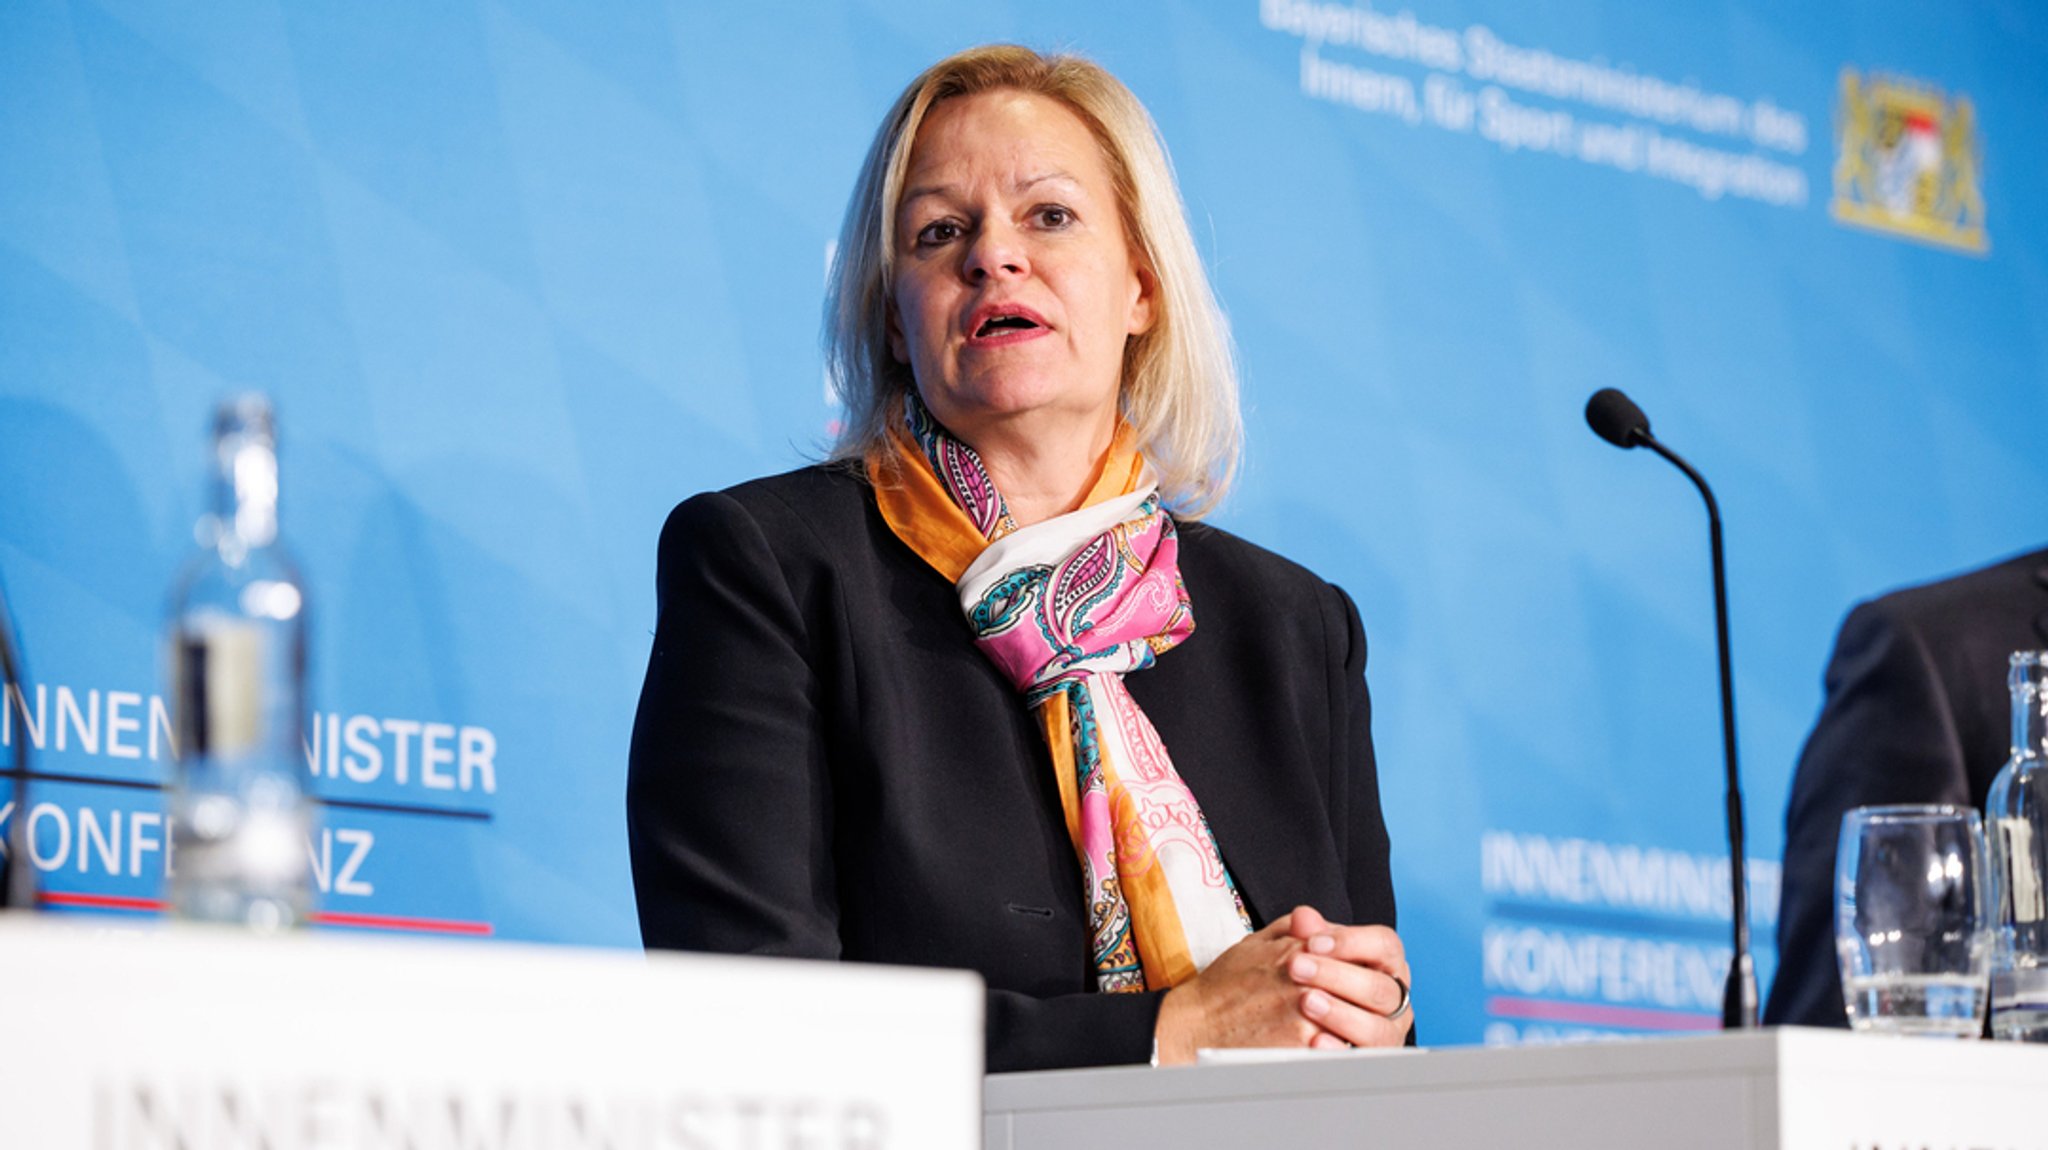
(1068, 607)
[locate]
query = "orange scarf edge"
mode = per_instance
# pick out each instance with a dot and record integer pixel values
(917, 508)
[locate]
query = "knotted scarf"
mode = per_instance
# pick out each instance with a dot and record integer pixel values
(1065, 609)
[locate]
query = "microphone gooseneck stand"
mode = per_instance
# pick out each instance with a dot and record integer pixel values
(1615, 418)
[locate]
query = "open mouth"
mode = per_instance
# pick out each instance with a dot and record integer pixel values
(1004, 322)
(997, 325)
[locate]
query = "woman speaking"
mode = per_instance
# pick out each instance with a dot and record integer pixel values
(983, 691)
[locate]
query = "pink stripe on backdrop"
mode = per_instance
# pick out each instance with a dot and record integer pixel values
(331, 918)
(394, 922)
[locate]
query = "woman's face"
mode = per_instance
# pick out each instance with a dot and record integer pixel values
(1015, 288)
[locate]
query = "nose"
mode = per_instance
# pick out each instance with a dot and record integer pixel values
(996, 253)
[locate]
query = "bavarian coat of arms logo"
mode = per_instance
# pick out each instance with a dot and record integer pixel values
(1908, 162)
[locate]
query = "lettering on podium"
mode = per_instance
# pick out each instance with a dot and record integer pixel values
(147, 1112)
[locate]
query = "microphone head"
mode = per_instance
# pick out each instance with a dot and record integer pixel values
(1615, 418)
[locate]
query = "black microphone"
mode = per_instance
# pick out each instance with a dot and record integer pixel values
(1615, 418)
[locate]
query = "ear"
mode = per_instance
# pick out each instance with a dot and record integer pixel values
(1144, 299)
(898, 346)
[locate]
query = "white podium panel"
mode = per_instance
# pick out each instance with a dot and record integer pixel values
(1787, 1089)
(192, 1039)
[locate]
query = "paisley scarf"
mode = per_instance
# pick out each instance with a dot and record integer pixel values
(1065, 609)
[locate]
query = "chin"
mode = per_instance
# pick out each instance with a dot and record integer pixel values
(1020, 394)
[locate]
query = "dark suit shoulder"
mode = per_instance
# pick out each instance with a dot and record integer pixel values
(1964, 626)
(820, 485)
(1991, 590)
(1246, 564)
(1253, 592)
(817, 506)
(826, 495)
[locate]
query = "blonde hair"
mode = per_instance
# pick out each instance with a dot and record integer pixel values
(1179, 390)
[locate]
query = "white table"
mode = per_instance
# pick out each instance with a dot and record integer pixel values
(1786, 1089)
(124, 1039)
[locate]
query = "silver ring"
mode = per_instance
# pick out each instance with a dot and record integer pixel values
(1401, 1007)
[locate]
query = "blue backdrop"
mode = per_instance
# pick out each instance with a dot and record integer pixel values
(521, 275)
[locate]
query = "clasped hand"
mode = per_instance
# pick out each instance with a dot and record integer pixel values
(1303, 981)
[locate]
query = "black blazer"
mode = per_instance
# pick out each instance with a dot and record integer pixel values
(1917, 711)
(824, 765)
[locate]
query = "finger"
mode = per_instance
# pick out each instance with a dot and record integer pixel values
(1374, 990)
(1374, 946)
(1353, 1024)
(1305, 922)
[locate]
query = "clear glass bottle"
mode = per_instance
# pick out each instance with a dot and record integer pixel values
(2016, 823)
(240, 816)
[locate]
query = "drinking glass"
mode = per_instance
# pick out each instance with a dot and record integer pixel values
(1912, 920)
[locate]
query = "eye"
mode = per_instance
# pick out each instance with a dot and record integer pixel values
(1055, 216)
(938, 232)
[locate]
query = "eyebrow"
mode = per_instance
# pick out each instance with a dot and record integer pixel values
(923, 190)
